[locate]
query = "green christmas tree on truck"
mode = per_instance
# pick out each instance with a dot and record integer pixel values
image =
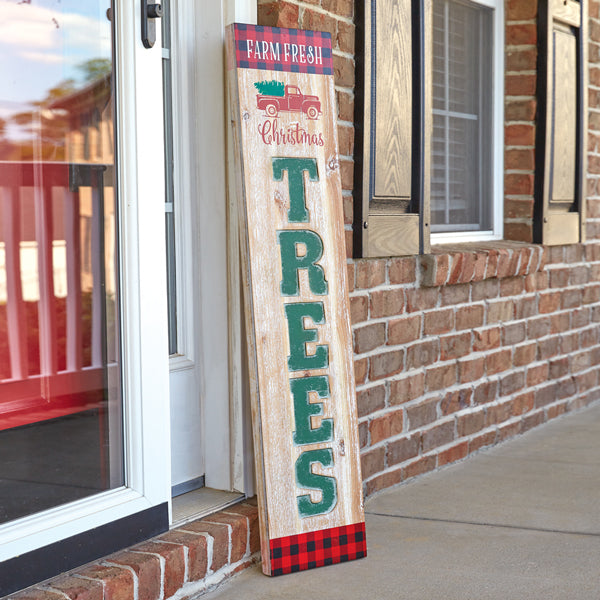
(270, 88)
(274, 97)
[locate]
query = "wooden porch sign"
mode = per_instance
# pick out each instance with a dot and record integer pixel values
(296, 298)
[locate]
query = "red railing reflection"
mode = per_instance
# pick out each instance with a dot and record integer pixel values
(55, 364)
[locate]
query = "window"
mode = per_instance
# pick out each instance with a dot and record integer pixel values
(461, 157)
(432, 141)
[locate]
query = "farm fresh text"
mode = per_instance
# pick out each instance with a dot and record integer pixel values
(296, 53)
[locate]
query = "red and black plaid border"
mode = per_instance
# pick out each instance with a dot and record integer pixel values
(318, 548)
(294, 57)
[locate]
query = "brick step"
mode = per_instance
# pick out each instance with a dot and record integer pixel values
(181, 562)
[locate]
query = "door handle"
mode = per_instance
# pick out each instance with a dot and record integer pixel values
(150, 12)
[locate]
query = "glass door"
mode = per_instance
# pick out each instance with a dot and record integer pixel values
(84, 372)
(60, 392)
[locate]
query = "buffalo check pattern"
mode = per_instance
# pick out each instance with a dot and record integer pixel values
(287, 43)
(318, 548)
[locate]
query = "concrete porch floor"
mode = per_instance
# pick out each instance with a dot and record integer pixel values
(518, 521)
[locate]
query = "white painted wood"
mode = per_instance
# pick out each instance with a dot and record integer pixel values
(242, 450)
(47, 310)
(265, 211)
(464, 236)
(202, 407)
(187, 458)
(200, 503)
(211, 229)
(97, 291)
(73, 241)
(240, 11)
(263, 201)
(15, 306)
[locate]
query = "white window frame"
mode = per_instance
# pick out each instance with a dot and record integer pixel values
(144, 324)
(497, 155)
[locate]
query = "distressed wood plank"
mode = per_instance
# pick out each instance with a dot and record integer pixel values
(569, 12)
(273, 194)
(564, 132)
(394, 235)
(393, 109)
(561, 155)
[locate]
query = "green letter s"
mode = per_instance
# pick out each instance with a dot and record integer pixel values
(305, 478)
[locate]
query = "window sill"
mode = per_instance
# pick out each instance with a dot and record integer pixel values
(451, 264)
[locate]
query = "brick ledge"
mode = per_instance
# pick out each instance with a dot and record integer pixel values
(179, 563)
(464, 263)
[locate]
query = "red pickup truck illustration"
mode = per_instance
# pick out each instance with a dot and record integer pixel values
(275, 97)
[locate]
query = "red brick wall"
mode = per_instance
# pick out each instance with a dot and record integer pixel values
(519, 115)
(336, 17)
(445, 370)
(466, 347)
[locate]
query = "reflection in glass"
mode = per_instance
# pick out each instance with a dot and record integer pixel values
(60, 405)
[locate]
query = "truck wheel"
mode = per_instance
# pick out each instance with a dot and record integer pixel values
(271, 110)
(312, 112)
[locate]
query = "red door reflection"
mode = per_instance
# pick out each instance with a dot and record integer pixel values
(52, 348)
(60, 426)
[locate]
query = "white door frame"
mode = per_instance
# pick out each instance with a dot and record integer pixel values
(204, 293)
(144, 310)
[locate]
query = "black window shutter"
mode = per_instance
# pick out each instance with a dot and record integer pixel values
(562, 122)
